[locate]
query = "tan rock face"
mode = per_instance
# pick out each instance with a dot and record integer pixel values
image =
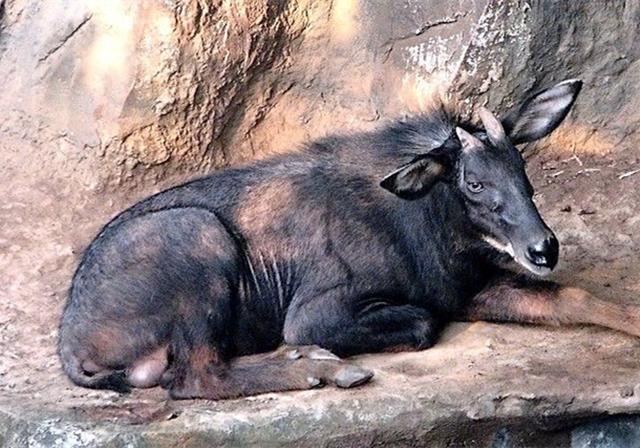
(126, 93)
(143, 88)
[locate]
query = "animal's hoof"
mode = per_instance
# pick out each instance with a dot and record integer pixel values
(352, 376)
(310, 352)
(315, 383)
(320, 354)
(179, 393)
(293, 354)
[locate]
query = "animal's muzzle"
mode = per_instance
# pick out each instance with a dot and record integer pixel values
(544, 253)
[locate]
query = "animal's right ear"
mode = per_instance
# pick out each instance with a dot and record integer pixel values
(415, 179)
(539, 115)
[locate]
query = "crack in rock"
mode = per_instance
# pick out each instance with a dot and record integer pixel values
(426, 27)
(390, 44)
(65, 39)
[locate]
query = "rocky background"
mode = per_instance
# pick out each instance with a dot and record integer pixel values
(122, 94)
(103, 103)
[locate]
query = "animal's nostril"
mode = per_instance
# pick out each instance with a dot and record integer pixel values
(536, 251)
(544, 253)
(553, 245)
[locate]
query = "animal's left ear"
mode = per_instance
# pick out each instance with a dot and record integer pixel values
(539, 115)
(415, 179)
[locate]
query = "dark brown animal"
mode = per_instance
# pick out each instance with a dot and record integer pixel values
(358, 243)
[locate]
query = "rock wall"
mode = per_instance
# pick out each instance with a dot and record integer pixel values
(124, 92)
(548, 41)
(121, 94)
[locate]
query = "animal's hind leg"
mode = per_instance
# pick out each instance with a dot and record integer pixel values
(148, 370)
(288, 368)
(200, 341)
(152, 293)
(523, 299)
(199, 347)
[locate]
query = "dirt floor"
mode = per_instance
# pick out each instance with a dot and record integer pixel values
(593, 202)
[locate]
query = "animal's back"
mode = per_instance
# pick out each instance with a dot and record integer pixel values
(335, 167)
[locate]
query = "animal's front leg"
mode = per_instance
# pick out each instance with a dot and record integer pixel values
(522, 299)
(350, 327)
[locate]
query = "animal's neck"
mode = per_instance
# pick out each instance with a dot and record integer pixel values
(449, 267)
(439, 226)
(443, 213)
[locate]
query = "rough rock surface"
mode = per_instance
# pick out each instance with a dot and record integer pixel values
(106, 102)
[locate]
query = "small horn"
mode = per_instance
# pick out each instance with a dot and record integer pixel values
(492, 125)
(468, 141)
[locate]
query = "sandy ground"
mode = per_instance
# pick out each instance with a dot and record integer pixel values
(596, 213)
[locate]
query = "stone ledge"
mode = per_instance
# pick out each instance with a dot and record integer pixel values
(481, 385)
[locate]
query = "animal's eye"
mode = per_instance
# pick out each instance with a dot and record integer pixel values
(475, 187)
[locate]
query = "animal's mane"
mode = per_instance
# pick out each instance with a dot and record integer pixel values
(408, 134)
(422, 132)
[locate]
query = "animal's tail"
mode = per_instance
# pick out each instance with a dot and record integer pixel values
(107, 379)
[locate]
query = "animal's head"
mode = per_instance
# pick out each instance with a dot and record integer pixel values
(488, 173)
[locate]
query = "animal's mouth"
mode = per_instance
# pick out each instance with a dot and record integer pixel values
(537, 269)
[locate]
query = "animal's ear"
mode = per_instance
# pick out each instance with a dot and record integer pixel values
(415, 179)
(539, 115)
